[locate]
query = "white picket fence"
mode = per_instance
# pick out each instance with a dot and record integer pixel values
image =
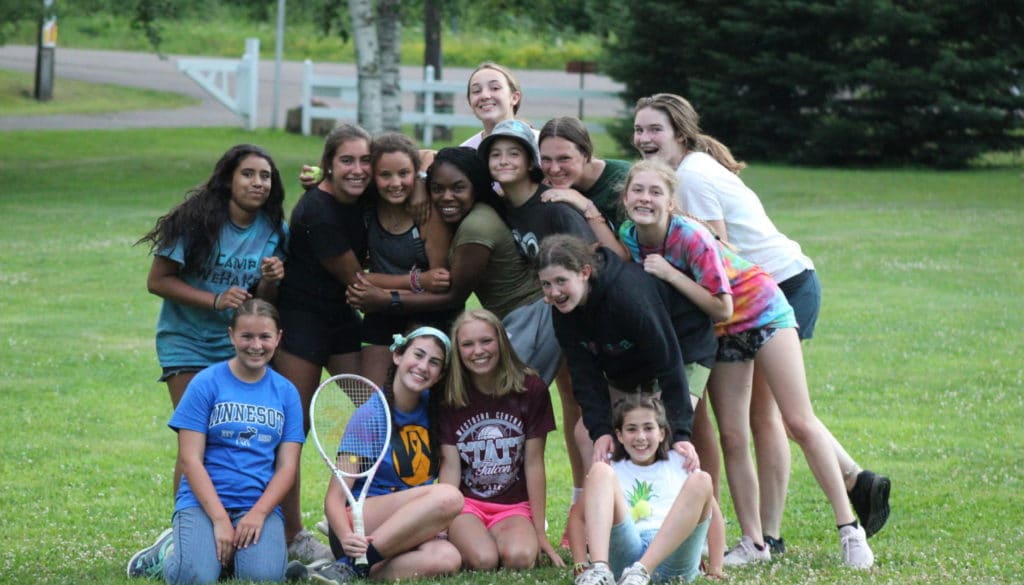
(345, 89)
(232, 82)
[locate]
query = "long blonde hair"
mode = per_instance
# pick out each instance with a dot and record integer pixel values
(511, 371)
(686, 125)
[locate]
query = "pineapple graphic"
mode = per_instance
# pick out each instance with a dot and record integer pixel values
(640, 499)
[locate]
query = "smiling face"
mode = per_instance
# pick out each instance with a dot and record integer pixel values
(255, 338)
(478, 349)
(641, 435)
(351, 169)
(491, 97)
(451, 192)
(508, 161)
(250, 188)
(647, 200)
(394, 175)
(420, 366)
(564, 289)
(655, 138)
(561, 161)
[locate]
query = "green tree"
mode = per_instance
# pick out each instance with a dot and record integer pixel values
(849, 81)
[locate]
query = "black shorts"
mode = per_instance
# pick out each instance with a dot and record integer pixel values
(316, 336)
(378, 328)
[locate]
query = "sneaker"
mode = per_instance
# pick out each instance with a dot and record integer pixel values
(856, 552)
(596, 574)
(334, 573)
(870, 499)
(323, 527)
(306, 548)
(635, 574)
(775, 546)
(149, 562)
(296, 571)
(579, 568)
(746, 552)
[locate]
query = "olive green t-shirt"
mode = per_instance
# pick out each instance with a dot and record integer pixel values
(607, 191)
(508, 282)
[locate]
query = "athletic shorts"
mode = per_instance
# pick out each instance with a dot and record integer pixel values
(743, 346)
(532, 335)
(378, 328)
(803, 292)
(628, 544)
(490, 513)
(316, 336)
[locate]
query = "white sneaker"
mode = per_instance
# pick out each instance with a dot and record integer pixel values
(856, 552)
(596, 574)
(306, 548)
(746, 552)
(635, 574)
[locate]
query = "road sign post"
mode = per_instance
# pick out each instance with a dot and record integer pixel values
(46, 49)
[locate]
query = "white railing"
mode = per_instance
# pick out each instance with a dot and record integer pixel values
(232, 82)
(345, 89)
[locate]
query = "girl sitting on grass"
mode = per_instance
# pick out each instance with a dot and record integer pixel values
(405, 510)
(644, 516)
(497, 416)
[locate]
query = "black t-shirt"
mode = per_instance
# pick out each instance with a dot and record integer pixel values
(534, 220)
(321, 228)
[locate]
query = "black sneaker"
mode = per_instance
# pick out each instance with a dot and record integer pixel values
(870, 499)
(776, 546)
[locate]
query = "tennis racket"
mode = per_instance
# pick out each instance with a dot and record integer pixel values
(351, 425)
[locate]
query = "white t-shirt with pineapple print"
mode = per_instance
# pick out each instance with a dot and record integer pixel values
(651, 489)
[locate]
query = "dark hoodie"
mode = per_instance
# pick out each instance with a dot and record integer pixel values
(630, 331)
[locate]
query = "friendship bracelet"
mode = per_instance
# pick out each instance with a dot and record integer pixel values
(414, 281)
(216, 298)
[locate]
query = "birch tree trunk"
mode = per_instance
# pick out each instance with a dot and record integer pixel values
(389, 32)
(364, 35)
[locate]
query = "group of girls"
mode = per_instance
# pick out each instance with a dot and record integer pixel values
(524, 220)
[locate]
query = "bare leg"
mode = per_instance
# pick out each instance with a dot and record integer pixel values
(706, 443)
(729, 390)
(570, 414)
(692, 506)
(476, 545)
(782, 363)
(374, 363)
(517, 542)
(176, 386)
(773, 456)
(604, 505)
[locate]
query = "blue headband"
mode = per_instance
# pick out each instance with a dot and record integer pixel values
(401, 341)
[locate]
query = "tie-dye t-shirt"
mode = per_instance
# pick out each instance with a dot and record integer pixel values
(689, 246)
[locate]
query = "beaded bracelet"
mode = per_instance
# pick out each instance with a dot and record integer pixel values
(414, 281)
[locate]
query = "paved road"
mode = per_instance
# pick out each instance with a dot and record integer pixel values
(146, 70)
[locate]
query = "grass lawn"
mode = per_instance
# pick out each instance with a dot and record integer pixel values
(79, 97)
(916, 365)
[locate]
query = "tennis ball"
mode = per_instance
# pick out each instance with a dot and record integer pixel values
(315, 173)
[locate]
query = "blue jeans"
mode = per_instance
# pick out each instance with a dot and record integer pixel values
(194, 557)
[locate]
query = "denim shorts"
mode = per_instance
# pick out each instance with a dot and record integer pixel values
(532, 335)
(171, 371)
(803, 292)
(628, 544)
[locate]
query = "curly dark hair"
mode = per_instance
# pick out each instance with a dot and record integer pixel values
(469, 163)
(199, 218)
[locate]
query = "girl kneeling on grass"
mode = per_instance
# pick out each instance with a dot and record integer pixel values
(405, 510)
(240, 433)
(646, 517)
(498, 414)
(761, 330)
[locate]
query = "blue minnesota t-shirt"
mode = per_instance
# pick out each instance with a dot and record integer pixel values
(244, 423)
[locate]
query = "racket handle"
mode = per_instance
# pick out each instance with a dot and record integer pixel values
(360, 528)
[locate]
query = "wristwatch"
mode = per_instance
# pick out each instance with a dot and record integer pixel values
(396, 302)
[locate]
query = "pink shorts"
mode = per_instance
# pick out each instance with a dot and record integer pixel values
(490, 513)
